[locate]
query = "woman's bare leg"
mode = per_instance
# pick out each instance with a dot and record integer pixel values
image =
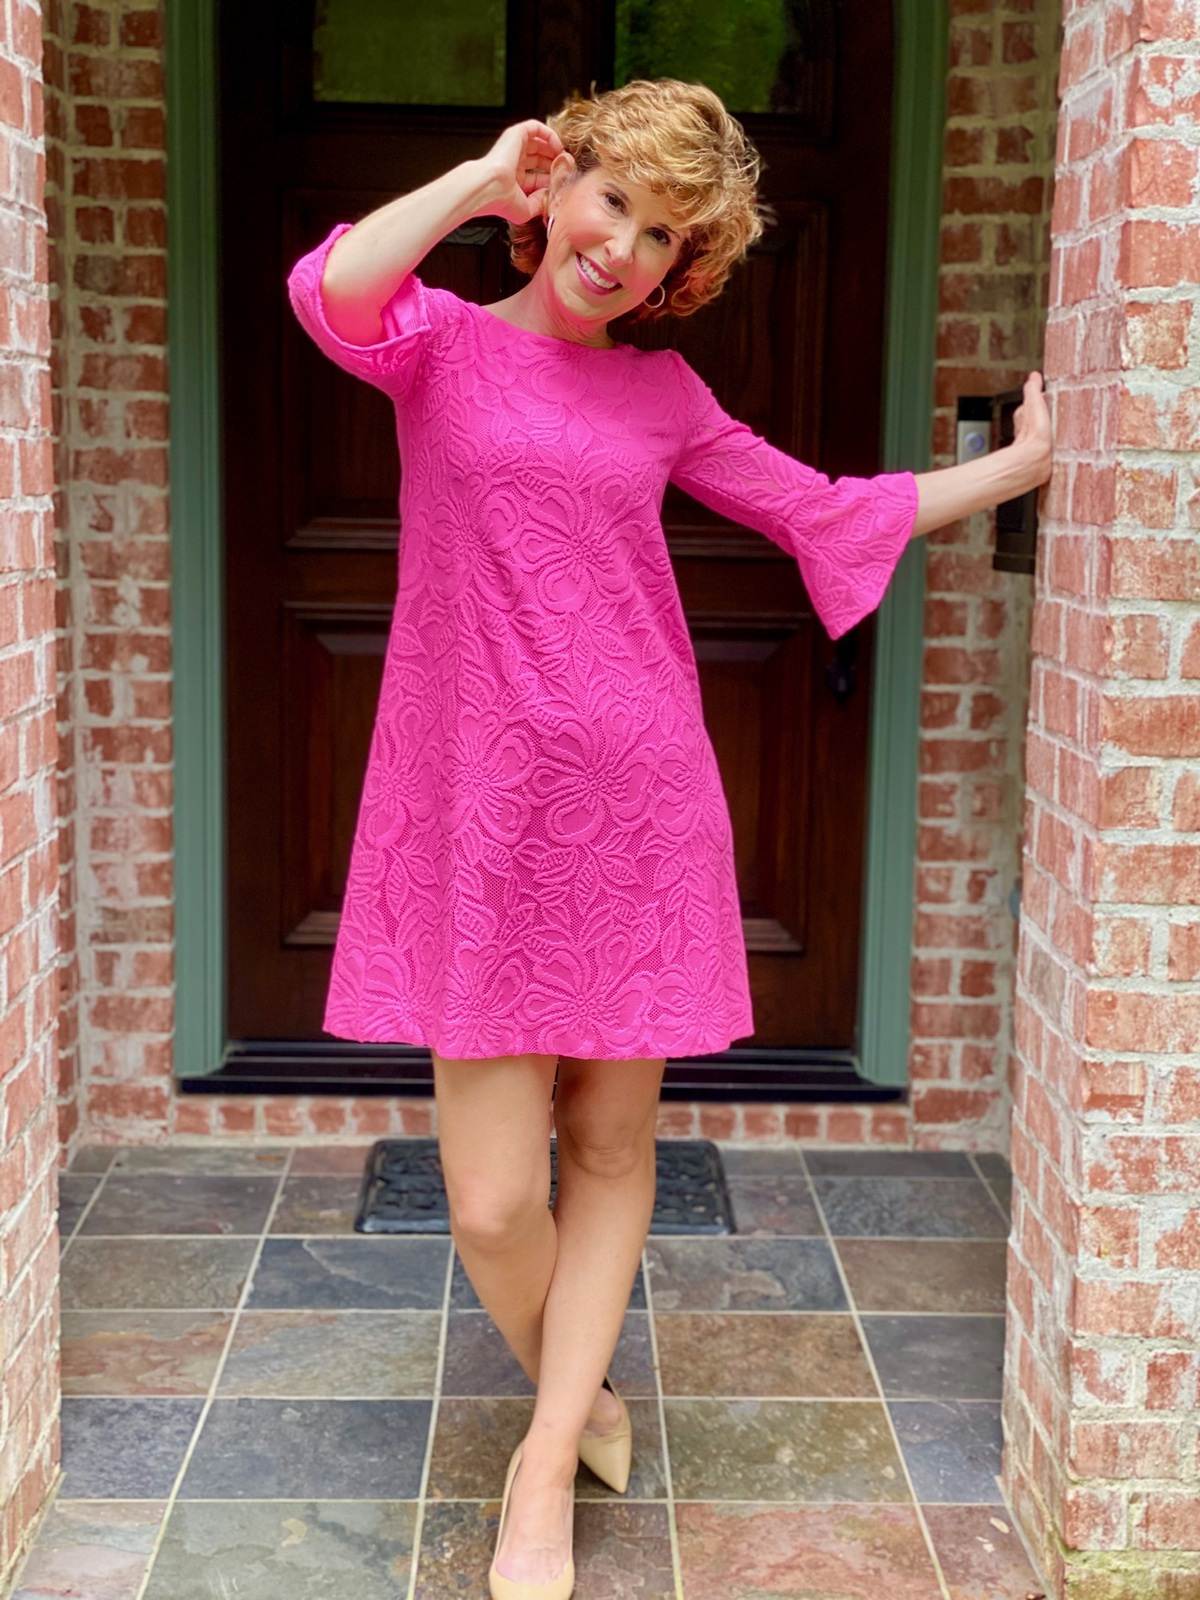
(495, 1157)
(493, 1120)
(605, 1116)
(494, 1144)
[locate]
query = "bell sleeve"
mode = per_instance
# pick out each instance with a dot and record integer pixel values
(408, 317)
(846, 536)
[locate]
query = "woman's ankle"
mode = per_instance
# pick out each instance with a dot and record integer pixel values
(549, 1464)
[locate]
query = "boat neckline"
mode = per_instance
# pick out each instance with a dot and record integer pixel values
(549, 338)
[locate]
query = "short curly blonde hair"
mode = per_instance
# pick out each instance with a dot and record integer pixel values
(678, 140)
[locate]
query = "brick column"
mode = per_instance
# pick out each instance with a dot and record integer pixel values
(106, 144)
(997, 167)
(29, 1388)
(1102, 1375)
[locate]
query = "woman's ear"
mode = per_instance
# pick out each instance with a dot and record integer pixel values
(562, 170)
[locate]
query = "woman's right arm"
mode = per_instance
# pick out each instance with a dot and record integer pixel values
(368, 263)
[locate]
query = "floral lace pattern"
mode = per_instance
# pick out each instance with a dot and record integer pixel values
(543, 857)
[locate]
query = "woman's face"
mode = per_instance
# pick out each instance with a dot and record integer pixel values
(626, 234)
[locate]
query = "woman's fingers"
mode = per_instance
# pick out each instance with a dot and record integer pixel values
(543, 130)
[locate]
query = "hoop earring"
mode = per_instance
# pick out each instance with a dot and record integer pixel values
(656, 303)
(549, 225)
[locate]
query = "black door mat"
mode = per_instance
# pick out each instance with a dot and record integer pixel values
(403, 1190)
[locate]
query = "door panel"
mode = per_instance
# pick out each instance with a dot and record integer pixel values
(316, 129)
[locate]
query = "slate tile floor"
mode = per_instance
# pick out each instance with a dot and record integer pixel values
(259, 1403)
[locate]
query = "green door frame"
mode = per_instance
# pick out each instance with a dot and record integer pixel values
(196, 566)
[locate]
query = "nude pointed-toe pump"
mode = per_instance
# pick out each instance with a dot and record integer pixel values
(610, 1455)
(559, 1587)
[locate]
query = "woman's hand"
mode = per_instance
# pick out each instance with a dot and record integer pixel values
(949, 493)
(1033, 436)
(520, 164)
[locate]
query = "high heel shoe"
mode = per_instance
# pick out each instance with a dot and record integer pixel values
(502, 1588)
(610, 1455)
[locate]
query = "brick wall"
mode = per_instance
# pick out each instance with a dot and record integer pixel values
(1001, 114)
(29, 1310)
(1103, 1365)
(109, 172)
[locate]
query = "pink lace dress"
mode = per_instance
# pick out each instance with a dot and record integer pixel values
(543, 859)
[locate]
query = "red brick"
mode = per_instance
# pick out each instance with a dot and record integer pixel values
(937, 799)
(961, 242)
(954, 664)
(979, 1062)
(1093, 495)
(1153, 1310)
(976, 980)
(956, 1021)
(930, 976)
(959, 756)
(1148, 874)
(1172, 1380)
(934, 885)
(987, 710)
(953, 843)
(1116, 1088)
(1130, 797)
(1183, 952)
(1094, 1519)
(1121, 947)
(1156, 334)
(1160, 89)
(1158, 725)
(1157, 254)
(950, 1105)
(940, 710)
(990, 195)
(1156, 569)
(1185, 814)
(1111, 1234)
(1178, 1097)
(1122, 1020)
(1138, 646)
(1158, 172)
(1165, 1521)
(1125, 1449)
(1174, 1239)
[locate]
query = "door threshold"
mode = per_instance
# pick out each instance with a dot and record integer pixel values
(281, 1066)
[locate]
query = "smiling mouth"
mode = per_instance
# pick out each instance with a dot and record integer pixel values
(594, 274)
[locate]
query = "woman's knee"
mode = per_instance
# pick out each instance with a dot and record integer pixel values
(492, 1212)
(605, 1114)
(493, 1142)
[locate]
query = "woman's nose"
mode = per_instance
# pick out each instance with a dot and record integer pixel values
(620, 249)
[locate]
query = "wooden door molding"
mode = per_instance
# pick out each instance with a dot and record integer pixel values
(202, 1047)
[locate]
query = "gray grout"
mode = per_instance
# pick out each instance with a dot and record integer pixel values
(212, 1388)
(419, 1525)
(881, 1397)
(438, 1393)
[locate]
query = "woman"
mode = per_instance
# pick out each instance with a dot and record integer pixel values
(542, 877)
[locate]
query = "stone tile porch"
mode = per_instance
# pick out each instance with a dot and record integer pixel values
(259, 1402)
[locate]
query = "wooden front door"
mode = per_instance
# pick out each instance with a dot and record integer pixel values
(329, 110)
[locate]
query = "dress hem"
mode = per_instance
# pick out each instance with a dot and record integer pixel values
(654, 1050)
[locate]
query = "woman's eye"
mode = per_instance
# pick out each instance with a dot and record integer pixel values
(664, 237)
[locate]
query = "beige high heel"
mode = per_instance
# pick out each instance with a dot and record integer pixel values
(610, 1455)
(502, 1588)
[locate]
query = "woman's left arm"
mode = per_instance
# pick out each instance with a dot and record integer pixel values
(846, 535)
(949, 493)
